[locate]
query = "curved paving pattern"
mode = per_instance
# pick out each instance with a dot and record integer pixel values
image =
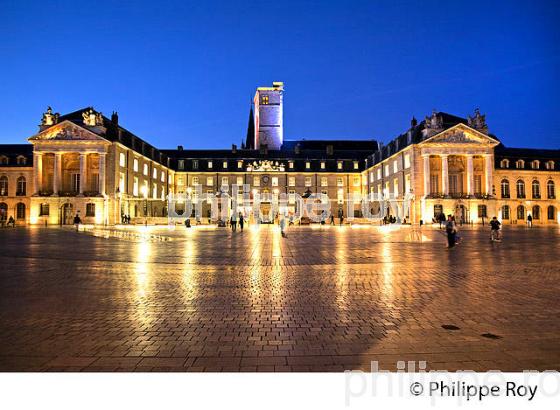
(324, 299)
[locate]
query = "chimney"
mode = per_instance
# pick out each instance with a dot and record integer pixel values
(413, 122)
(115, 118)
(233, 148)
(330, 149)
(179, 148)
(263, 149)
(297, 149)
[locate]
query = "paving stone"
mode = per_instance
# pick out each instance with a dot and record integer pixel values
(323, 299)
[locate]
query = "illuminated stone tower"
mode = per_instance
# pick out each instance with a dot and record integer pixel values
(269, 124)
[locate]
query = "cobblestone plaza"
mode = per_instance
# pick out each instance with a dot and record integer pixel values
(322, 299)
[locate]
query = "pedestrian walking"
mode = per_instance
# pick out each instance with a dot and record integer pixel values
(529, 221)
(340, 216)
(495, 234)
(241, 221)
(283, 226)
(332, 219)
(77, 221)
(451, 231)
(233, 222)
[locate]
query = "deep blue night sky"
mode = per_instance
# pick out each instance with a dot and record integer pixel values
(183, 72)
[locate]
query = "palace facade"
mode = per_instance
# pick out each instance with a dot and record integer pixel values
(88, 164)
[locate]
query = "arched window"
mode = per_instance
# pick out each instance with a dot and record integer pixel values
(3, 160)
(504, 163)
(550, 165)
(520, 212)
(550, 189)
(535, 164)
(20, 210)
(3, 211)
(536, 212)
(520, 164)
(505, 212)
(3, 185)
(505, 188)
(551, 212)
(21, 160)
(536, 189)
(520, 189)
(21, 186)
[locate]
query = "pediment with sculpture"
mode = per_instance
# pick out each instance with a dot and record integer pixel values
(461, 135)
(66, 131)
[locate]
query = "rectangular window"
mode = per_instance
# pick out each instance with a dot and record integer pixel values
(396, 187)
(180, 181)
(135, 187)
(339, 182)
(122, 159)
(308, 181)
(407, 161)
(76, 182)
(181, 164)
(224, 164)
(256, 181)
(454, 184)
(324, 181)
(307, 165)
(292, 196)
(395, 167)
(154, 173)
(225, 181)
(478, 184)
(291, 165)
(162, 176)
(135, 165)
(210, 164)
(154, 191)
(239, 164)
(356, 164)
(240, 181)
(356, 181)
(291, 181)
(145, 189)
(407, 184)
(195, 181)
(322, 165)
(386, 169)
(274, 181)
(94, 182)
(145, 169)
(339, 165)
(482, 211)
(195, 164)
(340, 196)
(434, 184)
(44, 211)
(121, 183)
(371, 177)
(379, 173)
(209, 181)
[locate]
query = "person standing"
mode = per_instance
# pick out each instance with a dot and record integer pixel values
(495, 230)
(341, 216)
(77, 221)
(233, 222)
(529, 221)
(332, 219)
(283, 226)
(451, 231)
(241, 221)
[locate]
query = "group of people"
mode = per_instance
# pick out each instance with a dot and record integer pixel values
(125, 219)
(453, 239)
(11, 221)
(235, 220)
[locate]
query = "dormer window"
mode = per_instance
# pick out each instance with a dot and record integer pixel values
(550, 165)
(224, 164)
(356, 165)
(504, 163)
(520, 164)
(307, 165)
(535, 164)
(3, 160)
(339, 165)
(21, 160)
(210, 164)
(322, 165)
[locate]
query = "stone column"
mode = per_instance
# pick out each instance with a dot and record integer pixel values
(102, 173)
(470, 175)
(38, 172)
(426, 159)
(444, 175)
(57, 173)
(489, 173)
(83, 172)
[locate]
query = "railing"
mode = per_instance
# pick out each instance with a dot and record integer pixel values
(459, 195)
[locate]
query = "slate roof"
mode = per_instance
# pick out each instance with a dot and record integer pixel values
(527, 155)
(13, 151)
